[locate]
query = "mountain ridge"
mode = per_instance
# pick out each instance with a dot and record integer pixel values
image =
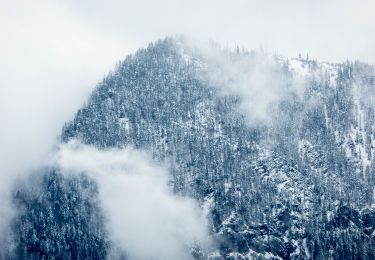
(284, 151)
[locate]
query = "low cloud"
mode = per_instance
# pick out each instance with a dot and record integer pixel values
(50, 61)
(257, 78)
(144, 218)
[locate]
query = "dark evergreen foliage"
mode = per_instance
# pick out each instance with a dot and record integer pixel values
(60, 219)
(297, 188)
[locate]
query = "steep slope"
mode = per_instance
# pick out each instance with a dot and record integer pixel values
(296, 183)
(59, 218)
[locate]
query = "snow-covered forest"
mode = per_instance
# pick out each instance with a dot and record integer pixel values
(290, 177)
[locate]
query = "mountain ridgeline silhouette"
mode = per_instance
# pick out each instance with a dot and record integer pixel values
(279, 152)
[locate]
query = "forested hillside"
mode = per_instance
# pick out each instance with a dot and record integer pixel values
(296, 185)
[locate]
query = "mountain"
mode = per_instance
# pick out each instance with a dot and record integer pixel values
(281, 152)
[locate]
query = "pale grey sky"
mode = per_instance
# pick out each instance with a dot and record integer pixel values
(327, 29)
(54, 51)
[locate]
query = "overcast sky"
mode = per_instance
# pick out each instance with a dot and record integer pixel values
(52, 52)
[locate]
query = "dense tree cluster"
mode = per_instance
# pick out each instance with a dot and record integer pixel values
(59, 218)
(299, 187)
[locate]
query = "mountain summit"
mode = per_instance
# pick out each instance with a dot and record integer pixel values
(279, 154)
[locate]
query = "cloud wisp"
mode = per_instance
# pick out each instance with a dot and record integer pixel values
(259, 80)
(144, 218)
